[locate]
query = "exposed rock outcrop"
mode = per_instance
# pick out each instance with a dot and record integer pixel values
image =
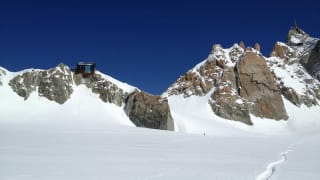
(241, 81)
(56, 83)
(296, 36)
(146, 110)
(308, 98)
(216, 75)
(2, 73)
(257, 85)
(242, 45)
(108, 91)
(313, 64)
(291, 95)
(203, 78)
(299, 58)
(257, 46)
(285, 52)
(225, 101)
(25, 83)
(197, 83)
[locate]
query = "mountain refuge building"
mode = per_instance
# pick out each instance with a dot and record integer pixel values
(87, 69)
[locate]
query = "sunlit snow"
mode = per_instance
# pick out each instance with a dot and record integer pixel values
(86, 138)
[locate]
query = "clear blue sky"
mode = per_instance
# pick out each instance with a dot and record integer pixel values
(148, 44)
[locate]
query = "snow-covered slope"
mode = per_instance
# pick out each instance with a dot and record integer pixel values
(83, 105)
(96, 150)
(194, 115)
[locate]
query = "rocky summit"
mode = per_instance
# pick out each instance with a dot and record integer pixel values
(241, 82)
(295, 67)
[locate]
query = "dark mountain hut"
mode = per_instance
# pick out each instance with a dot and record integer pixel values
(86, 69)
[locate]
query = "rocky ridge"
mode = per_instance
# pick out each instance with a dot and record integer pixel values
(295, 65)
(242, 81)
(107, 91)
(239, 81)
(57, 84)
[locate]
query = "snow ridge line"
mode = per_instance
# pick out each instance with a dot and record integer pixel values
(271, 168)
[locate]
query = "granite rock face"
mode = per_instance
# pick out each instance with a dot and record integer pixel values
(299, 58)
(291, 95)
(54, 84)
(26, 83)
(256, 84)
(239, 81)
(203, 78)
(216, 76)
(193, 83)
(313, 64)
(226, 102)
(108, 91)
(283, 51)
(146, 110)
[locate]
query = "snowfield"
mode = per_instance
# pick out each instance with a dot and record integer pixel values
(112, 152)
(40, 139)
(107, 151)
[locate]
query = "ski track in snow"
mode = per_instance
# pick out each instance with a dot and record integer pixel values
(271, 168)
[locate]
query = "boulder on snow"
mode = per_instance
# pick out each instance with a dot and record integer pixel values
(146, 110)
(291, 95)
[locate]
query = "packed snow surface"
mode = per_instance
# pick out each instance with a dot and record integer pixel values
(86, 138)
